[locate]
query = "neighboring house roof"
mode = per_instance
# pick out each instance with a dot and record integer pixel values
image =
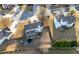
(3, 35)
(6, 6)
(64, 21)
(68, 18)
(7, 33)
(76, 6)
(25, 15)
(71, 19)
(64, 18)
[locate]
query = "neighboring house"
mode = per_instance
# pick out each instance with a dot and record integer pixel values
(77, 7)
(4, 34)
(7, 34)
(67, 21)
(27, 12)
(30, 11)
(33, 30)
(2, 37)
(7, 6)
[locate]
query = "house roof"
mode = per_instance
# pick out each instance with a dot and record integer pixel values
(30, 29)
(32, 25)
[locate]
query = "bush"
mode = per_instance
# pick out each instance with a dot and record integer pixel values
(63, 44)
(73, 43)
(1, 8)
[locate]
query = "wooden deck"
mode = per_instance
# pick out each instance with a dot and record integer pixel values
(51, 25)
(77, 27)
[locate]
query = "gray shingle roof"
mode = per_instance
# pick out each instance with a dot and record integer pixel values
(32, 33)
(64, 18)
(71, 19)
(32, 26)
(2, 34)
(25, 15)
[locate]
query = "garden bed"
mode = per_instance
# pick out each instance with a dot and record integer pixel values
(64, 44)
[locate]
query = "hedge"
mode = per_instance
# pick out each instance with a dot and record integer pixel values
(64, 44)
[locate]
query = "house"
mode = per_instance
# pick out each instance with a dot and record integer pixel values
(33, 30)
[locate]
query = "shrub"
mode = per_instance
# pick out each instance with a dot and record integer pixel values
(64, 44)
(73, 43)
